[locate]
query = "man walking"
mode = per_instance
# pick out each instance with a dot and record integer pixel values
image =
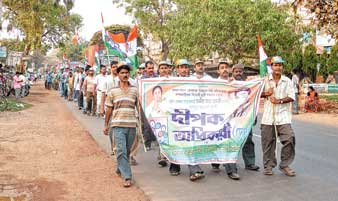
(248, 151)
(196, 172)
(122, 102)
(295, 82)
(199, 70)
(276, 121)
(100, 82)
(90, 92)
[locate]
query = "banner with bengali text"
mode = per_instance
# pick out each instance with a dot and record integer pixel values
(200, 121)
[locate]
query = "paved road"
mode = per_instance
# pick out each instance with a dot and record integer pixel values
(316, 165)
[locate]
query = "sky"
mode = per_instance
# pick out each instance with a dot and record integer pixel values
(91, 13)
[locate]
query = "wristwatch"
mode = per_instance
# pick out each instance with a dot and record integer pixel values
(280, 101)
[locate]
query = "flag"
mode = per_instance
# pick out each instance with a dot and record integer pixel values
(75, 39)
(97, 62)
(111, 47)
(263, 68)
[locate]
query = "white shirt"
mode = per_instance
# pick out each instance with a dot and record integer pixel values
(100, 81)
(295, 81)
(204, 77)
(23, 78)
(278, 113)
(77, 81)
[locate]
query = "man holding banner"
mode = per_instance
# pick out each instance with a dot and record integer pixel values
(196, 172)
(248, 150)
(276, 120)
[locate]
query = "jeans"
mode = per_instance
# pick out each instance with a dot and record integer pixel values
(80, 100)
(76, 94)
(124, 139)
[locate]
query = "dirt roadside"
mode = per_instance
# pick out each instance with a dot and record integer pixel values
(46, 155)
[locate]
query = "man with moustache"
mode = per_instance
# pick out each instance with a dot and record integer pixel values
(248, 151)
(276, 121)
(196, 172)
(122, 104)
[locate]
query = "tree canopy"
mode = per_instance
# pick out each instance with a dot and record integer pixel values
(230, 28)
(153, 17)
(42, 21)
(325, 14)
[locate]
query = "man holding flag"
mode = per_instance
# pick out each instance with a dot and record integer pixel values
(276, 120)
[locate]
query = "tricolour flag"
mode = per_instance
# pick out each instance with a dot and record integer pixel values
(112, 47)
(263, 68)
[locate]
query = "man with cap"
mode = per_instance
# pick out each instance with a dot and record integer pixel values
(163, 67)
(196, 172)
(148, 134)
(248, 151)
(199, 70)
(276, 121)
(140, 71)
(123, 100)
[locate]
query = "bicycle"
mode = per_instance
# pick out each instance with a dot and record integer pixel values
(3, 98)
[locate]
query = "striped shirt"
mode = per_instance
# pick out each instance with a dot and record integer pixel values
(278, 113)
(124, 105)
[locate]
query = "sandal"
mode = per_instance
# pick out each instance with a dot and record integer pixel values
(196, 176)
(127, 183)
(288, 171)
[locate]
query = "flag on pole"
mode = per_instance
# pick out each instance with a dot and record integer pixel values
(111, 47)
(263, 68)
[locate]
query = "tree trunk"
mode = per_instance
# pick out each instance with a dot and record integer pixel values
(165, 49)
(25, 53)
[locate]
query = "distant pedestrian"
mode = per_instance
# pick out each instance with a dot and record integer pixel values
(90, 92)
(17, 85)
(70, 85)
(276, 121)
(295, 82)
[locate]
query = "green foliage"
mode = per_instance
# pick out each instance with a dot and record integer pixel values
(13, 44)
(230, 28)
(72, 52)
(152, 17)
(310, 60)
(332, 62)
(47, 21)
(323, 63)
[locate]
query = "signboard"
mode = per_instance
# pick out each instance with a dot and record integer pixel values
(3, 52)
(200, 121)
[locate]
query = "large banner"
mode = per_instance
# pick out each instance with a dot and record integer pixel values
(200, 121)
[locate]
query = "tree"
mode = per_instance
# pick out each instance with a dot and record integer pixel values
(332, 62)
(310, 61)
(323, 63)
(42, 21)
(13, 44)
(152, 17)
(325, 14)
(73, 52)
(230, 28)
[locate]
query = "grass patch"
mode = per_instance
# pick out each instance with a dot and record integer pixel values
(14, 106)
(332, 98)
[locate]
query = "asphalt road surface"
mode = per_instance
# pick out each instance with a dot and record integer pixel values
(316, 165)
